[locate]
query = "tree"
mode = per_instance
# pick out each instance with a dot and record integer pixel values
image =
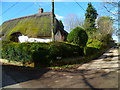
(73, 21)
(105, 28)
(113, 8)
(78, 36)
(90, 17)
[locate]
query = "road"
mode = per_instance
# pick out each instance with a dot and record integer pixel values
(99, 73)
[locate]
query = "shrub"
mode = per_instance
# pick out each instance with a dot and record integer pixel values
(64, 50)
(4, 42)
(40, 53)
(91, 51)
(94, 43)
(78, 36)
(93, 46)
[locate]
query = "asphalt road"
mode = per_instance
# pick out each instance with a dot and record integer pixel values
(99, 73)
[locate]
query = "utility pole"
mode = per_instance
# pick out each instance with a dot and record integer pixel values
(52, 22)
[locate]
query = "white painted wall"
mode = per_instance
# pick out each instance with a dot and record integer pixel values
(23, 38)
(39, 40)
(26, 39)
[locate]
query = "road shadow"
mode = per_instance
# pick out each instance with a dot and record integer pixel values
(16, 74)
(87, 76)
(109, 52)
(82, 73)
(108, 56)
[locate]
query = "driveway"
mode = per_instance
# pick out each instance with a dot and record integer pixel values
(99, 73)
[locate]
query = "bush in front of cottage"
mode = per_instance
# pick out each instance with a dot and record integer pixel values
(42, 54)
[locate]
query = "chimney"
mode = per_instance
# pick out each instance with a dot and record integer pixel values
(41, 10)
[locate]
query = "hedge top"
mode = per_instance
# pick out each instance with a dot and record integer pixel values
(78, 36)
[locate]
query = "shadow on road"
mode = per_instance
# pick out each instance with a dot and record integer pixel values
(83, 75)
(109, 56)
(16, 74)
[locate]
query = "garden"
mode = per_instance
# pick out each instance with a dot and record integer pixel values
(82, 45)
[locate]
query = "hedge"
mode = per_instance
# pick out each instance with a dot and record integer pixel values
(42, 53)
(94, 43)
(94, 46)
(91, 50)
(78, 36)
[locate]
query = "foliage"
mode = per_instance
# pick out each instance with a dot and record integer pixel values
(93, 46)
(78, 36)
(105, 28)
(91, 51)
(94, 43)
(90, 17)
(40, 53)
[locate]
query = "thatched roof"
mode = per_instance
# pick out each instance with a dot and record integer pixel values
(33, 25)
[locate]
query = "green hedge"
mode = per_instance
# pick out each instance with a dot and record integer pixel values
(91, 50)
(94, 46)
(40, 53)
(78, 36)
(94, 43)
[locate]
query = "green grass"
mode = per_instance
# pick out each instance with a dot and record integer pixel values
(62, 67)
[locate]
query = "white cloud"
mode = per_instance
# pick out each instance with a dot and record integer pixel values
(59, 17)
(115, 12)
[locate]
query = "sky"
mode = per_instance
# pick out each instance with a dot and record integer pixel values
(10, 10)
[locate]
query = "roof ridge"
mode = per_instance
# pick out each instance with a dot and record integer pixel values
(37, 14)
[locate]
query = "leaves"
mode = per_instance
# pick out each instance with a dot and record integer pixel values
(78, 36)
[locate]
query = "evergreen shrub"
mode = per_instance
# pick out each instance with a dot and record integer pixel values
(94, 43)
(93, 46)
(40, 53)
(78, 36)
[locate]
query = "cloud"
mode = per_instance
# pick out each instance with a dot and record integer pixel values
(59, 17)
(115, 12)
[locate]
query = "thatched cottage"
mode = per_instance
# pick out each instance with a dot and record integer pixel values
(34, 26)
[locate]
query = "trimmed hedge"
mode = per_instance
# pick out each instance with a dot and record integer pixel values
(94, 43)
(78, 36)
(94, 46)
(91, 50)
(40, 53)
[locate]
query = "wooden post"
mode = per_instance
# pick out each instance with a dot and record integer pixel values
(52, 22)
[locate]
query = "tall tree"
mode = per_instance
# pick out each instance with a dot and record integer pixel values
(113, 9)
(90, 17)
(105, 28)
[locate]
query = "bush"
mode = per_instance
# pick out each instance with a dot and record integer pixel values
(78, 36)
(93, 46)
(64, 50)
(91, 51)
(40, 53)
(94, 43)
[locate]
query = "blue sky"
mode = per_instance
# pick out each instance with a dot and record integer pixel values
(12, 10)
(62, 9)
